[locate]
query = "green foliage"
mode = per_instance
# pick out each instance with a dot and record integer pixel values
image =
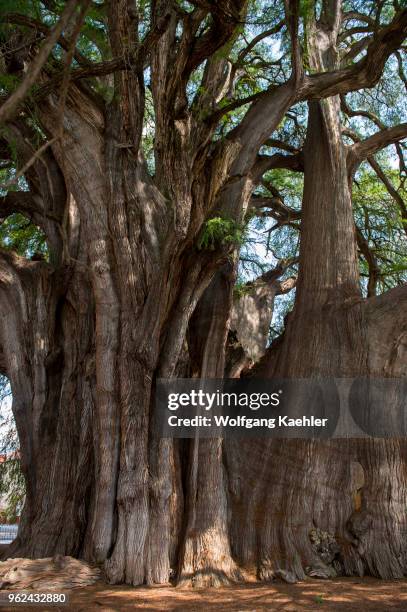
(307, 8)
(8, 83)
(258, 67)
(319, 599)
(105, 90)
(220, 231)
(240, 289)
(12, 488)
(290, 185)
(379, 219)
(19, 234)
(29, 8)
(25, 7)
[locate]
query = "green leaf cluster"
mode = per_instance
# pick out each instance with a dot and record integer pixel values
(19, 234)
(379, 219)
(12, 487)
(220, 231)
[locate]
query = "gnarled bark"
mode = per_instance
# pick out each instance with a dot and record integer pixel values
(206, 556)
(294, 487)
(84, 337)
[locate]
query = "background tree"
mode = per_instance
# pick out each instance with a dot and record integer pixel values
(154, 139)
(11, 478)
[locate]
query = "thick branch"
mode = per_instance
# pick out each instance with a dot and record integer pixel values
(132, 62)
(226, 18)
(45, 203)
(355, 49)
(11, 105)
(390, 307)
(387, 333)
(280, 144)
(278, 160)
(354, 15)
(23, 202)
(269, 107)
(276, 209)
(366, 72)
(361, 113)
(129, 86)
(366, 148)
(38, 26)
(252, 310)
(374, 270)
(292, 8)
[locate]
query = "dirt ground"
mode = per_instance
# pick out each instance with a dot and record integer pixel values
(345, 594)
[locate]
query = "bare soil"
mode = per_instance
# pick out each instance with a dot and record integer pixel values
(345, 594)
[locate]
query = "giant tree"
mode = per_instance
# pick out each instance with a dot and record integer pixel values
(136, 150)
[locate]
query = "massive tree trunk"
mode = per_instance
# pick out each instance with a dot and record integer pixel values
(206, 558)
(83, 344)
(84, 341)
(51, 369)
(335, 506)
(84, 338)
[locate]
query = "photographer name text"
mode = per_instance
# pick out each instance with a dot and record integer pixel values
(245, 422)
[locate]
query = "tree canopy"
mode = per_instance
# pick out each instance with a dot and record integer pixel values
(252, 47)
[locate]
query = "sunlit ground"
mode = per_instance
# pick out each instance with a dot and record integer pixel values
(345, 594)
